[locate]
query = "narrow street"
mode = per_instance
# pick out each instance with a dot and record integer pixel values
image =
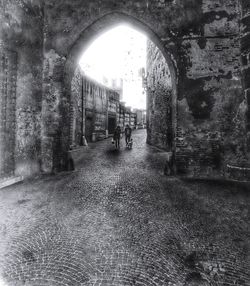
(117, 220)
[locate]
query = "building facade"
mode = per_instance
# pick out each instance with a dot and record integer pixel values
(141, 119)
(96, 110)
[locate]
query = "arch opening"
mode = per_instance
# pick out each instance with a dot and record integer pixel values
(161, 96)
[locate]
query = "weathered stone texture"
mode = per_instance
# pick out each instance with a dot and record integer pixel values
(117, 221)
(77, 109)
(200, 38)
(210, 92)
(207, 61)
(159, 99)
(213, 93)
(8, 65)
(243, 118)
(55, 114)
(21, 33)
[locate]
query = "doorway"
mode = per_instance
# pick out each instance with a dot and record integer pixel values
(111, 124)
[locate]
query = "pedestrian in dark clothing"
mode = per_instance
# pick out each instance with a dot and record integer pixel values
(117, 136)
(128, 133)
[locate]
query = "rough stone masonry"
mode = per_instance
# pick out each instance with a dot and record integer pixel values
(205, 44)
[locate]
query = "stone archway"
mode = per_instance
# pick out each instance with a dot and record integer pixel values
(210, 57)
(204, 61)
(104, 24)
(95, 29)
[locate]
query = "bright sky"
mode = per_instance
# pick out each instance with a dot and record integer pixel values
(119, 53)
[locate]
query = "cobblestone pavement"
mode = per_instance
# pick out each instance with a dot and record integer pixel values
(119, 221)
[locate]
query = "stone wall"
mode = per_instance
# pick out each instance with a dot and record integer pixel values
(239, 166)
(78, 105)
(8, 67)
(199, 40)
(210, 93)
(159, 99)
(91, 105)
(210, 130)
(245, 58)
(21, 42)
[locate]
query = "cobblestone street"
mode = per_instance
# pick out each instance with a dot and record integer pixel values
(117, 220)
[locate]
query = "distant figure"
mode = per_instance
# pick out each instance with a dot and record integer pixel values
(128, 133)
(117, 136)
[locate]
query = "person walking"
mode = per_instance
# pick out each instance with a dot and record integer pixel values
(128, 133)
(117, 136)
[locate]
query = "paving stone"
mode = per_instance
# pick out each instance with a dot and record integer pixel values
(118, 220)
